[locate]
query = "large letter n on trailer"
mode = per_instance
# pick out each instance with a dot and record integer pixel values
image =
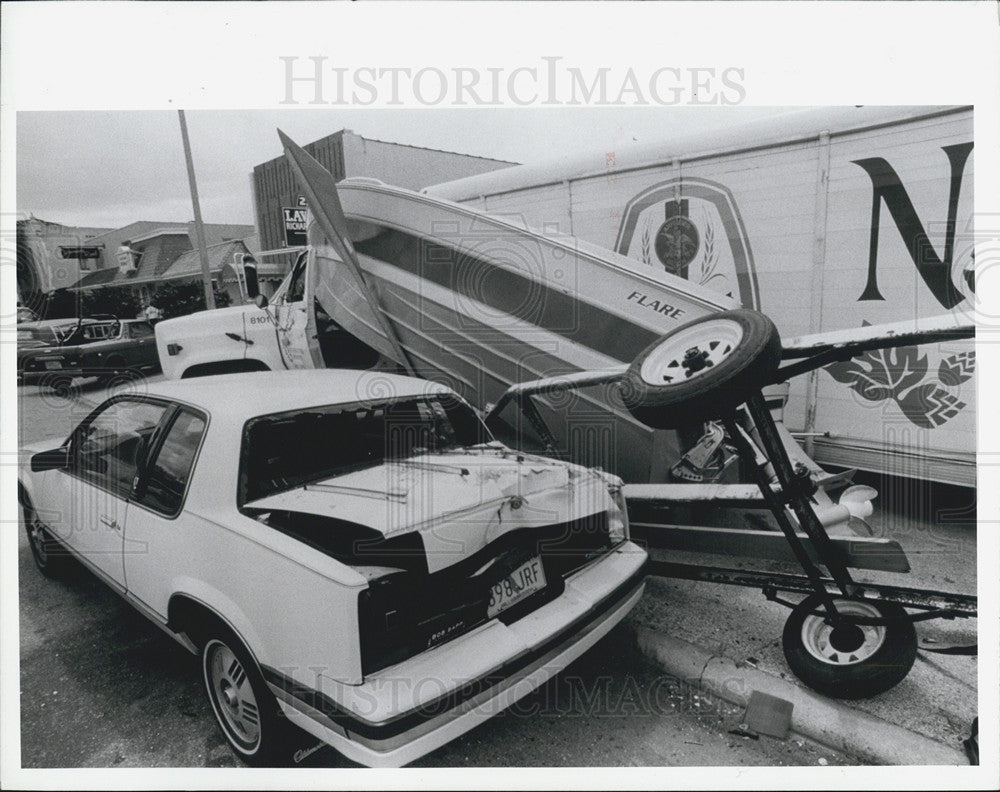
(935, 270)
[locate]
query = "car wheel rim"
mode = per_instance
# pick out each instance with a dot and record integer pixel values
(843, 645)
(691, 352)
(36, 535)
(232, 696)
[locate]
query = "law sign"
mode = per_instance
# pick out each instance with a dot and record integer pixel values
(295, 220)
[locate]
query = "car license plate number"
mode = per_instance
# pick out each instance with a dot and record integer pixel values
(519, 584)
(53, 364)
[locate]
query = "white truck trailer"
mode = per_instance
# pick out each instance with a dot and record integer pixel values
(824, 220)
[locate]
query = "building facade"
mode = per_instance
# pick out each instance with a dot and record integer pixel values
(142, 256)
(278, 202)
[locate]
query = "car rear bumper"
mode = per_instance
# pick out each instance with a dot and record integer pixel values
(408, 710)
(35, 369)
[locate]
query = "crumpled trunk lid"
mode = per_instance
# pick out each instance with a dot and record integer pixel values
(457, 503)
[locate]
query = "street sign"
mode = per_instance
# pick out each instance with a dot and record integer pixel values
(295, 220)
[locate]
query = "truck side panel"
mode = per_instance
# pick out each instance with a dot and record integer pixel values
(827, 232)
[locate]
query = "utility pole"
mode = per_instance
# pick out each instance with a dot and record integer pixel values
(206, 273)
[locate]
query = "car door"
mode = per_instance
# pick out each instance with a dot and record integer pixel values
(154, 525)
(88, 500)
(291, 319)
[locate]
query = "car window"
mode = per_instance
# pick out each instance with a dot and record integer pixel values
(88, 333)
(170, 470)
(109, 449)
(140, 330)
(290, 449)
(96, 332)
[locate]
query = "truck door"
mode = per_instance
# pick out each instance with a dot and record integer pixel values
(141, 351)
(292, 319)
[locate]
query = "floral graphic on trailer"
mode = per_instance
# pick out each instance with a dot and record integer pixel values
(901, 375)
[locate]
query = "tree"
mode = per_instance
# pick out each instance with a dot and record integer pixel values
(179, 298)
(58, 304)
(115, 300)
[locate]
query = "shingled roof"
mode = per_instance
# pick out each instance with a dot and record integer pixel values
(162, 246)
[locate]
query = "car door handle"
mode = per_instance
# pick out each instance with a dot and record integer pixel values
(112, 524)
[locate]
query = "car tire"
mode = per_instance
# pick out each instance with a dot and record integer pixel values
(702, 370)
(863, 661)
(244, 707)
(51, 558)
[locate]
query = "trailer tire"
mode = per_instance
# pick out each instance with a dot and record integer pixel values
(703, 369)
(860, 662)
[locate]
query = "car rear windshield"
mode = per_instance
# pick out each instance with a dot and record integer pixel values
(290, 449)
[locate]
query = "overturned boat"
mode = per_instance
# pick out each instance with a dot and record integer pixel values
(481, 302)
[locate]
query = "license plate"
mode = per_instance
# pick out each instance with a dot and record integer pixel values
(53, 364)
(519, 584)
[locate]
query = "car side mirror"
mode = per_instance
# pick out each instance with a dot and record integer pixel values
(260, 301)
(250, 277)
(56, 459)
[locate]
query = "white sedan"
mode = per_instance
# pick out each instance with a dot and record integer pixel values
(349, 550)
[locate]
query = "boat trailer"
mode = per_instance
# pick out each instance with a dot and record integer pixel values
(844, 638)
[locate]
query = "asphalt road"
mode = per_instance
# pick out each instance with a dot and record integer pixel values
(102, 687)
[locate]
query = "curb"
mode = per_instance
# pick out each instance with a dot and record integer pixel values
(824, 720)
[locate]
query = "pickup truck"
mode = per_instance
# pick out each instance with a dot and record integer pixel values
(92, 348)
(246, 338)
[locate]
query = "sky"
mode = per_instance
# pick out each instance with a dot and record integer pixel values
(111, 168)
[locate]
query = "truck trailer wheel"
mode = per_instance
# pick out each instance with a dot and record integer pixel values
(852, 661)
(703, 369)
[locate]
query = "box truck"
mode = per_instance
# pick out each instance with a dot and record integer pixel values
(824, 219)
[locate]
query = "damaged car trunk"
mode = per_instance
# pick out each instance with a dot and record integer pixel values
(450, 528)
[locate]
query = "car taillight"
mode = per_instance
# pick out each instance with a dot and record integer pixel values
(404, 614)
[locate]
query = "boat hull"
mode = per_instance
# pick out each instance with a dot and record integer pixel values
(480, 303)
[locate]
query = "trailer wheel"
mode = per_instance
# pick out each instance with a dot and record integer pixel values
(703, 369)
(851, 662)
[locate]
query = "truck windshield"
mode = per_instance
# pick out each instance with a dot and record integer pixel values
(290, 449)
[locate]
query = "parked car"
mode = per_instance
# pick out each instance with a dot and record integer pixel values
(32, 336)
(350, 550)
(105, 348)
